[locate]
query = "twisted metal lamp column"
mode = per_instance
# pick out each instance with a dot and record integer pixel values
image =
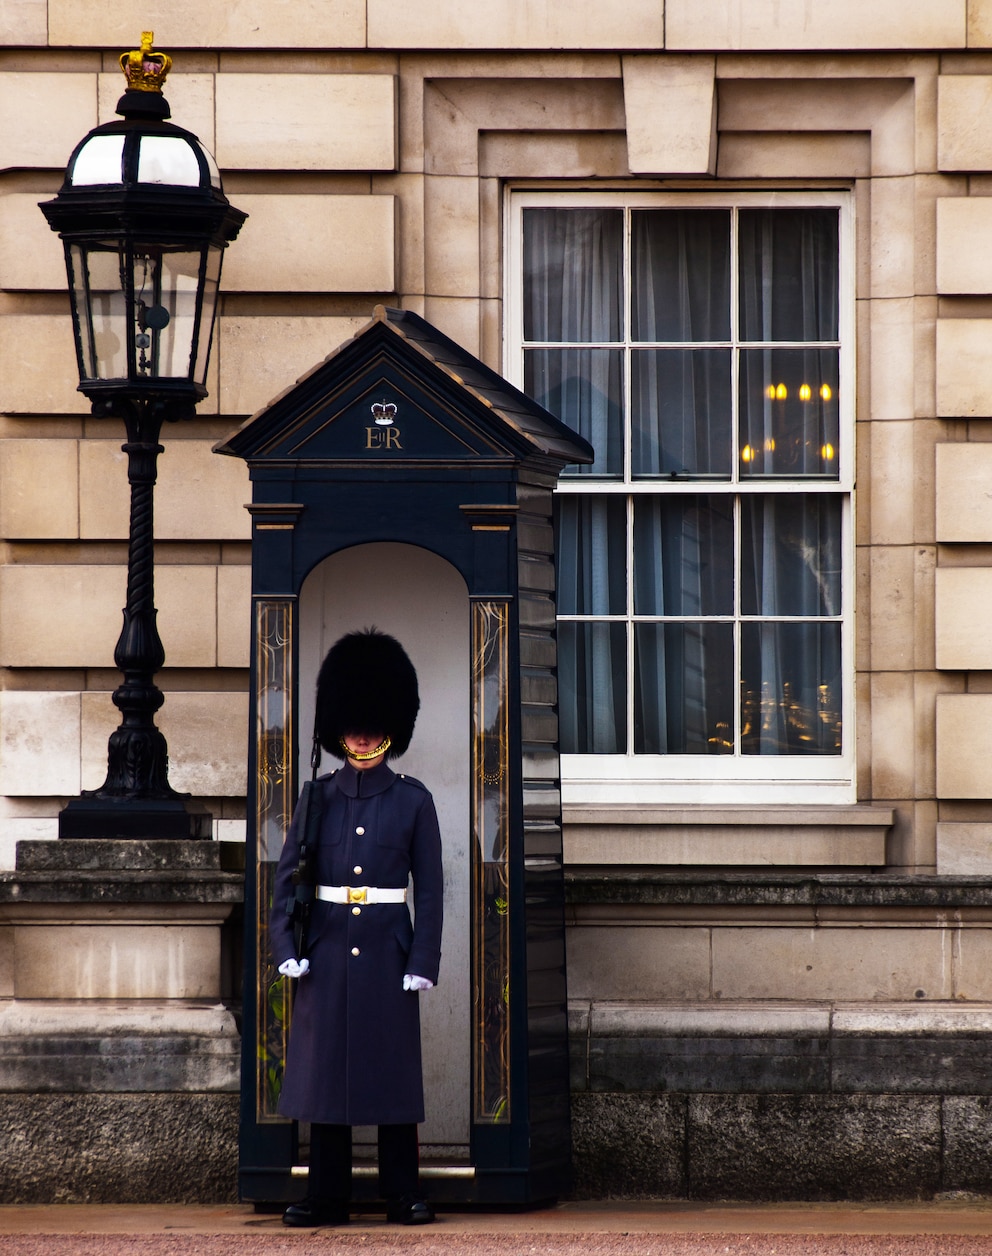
(137, 753)
(136, 799)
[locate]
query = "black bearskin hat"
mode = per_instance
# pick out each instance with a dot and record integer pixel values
(366, 684)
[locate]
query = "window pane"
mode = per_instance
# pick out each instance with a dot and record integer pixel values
(790, 555)
(592, 679)
(788, 274)
(683, 688)
(680, 412)
(683, 556)
(790, 417)
(790, 689)
(591, 555)
(573, 263)
(583, 388)
(680, 274)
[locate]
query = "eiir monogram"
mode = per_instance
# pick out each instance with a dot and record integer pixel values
(382, 438)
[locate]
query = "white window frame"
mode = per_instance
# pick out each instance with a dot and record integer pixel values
(712, 779)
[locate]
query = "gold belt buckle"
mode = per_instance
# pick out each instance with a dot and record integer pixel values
(358, 893)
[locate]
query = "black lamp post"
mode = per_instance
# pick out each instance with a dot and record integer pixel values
(145, 222)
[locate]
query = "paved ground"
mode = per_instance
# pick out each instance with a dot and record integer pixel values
(952, 1228)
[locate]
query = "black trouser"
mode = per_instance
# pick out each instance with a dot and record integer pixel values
(330, 1162)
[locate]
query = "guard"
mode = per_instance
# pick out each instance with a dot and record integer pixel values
(354, 1049)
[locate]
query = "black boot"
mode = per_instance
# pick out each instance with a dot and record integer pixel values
(409, 1210)
(312, 1212)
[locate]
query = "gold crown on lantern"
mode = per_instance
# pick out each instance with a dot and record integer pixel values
(145, 70)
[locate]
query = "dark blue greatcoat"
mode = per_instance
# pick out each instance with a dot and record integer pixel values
(354, 1045)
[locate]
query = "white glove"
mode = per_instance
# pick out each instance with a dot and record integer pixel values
(415, 983)
(294, 967)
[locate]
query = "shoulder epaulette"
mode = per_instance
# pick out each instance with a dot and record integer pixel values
(412, 780)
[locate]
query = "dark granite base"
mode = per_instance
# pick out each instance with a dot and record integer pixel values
(121, 1149)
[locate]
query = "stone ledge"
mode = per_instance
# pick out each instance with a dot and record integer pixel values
(781, 889)
(764, 1048)
(804, 836)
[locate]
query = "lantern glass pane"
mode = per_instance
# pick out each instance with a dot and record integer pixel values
(99, 161)
(168, 159)
(101, 310)
(208, 308)
(165, 310)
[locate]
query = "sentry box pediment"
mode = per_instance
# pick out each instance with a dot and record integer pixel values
(401, 395)
(403, 482)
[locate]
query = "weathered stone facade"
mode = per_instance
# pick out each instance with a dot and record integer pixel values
(811, 980)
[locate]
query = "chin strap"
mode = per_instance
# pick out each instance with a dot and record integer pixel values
(382, 747)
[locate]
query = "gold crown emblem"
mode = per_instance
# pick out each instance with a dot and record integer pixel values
(145, 70)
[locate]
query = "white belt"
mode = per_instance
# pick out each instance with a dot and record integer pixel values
(359, 894)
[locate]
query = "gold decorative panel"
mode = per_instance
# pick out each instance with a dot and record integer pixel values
(274, 742)
(490, 876)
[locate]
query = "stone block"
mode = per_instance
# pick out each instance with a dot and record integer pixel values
(813, 1146)
(25, 23)
(90, 598)
(830, 963)
(699, 1064)
(610, 1164)
(262, 357)
(973, 965)
(140, 1148)
(39, 365)
(670, 103)
(764, 24)
(39, 743)
(964, 224)
(189, 24)
(963, 611)
(967, 1129)
(964, 849)
(233, 616)
(780, 155)
(40, 127)
(634, 963)
(207, 735)
(309, 243)
(306, 121)
(979, 24)
(891, 468)
(39, 489)
(451, 247)
(157, 1047)
(964, 768)
(911, 1064)
(198, 496)
(92, 961)
(893, 358)
(31, 255)
(510, 24)
(895, 237)
(893, 607)
(963, 486)
(964, 122)
(893, 727)
(964, 388)
(208, 743)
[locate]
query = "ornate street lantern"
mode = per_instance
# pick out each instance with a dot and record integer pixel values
(144, 221)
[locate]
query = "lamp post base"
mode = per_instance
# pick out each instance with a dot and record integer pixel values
(133, 818)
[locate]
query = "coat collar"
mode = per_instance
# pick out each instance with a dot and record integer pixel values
(364, 784)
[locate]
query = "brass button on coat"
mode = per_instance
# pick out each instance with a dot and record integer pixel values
(355, 951)
(360, 831)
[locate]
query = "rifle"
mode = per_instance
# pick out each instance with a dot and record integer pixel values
(300, 902)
